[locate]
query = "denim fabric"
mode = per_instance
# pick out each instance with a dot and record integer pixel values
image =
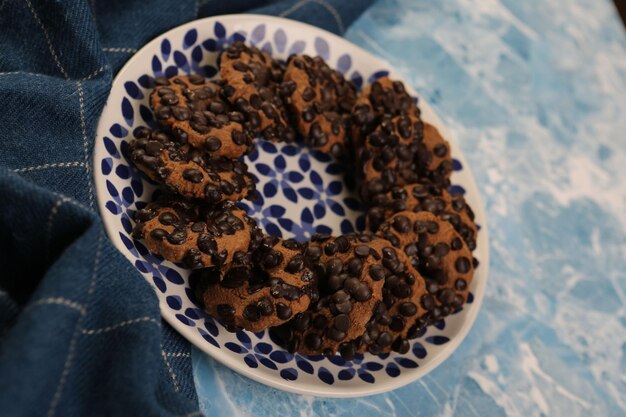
(80, 331)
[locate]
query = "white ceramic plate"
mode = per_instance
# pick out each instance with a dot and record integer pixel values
(303, 192)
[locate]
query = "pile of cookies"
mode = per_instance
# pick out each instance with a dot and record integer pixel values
(359, 292)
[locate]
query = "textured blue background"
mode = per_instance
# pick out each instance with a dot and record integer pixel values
(535, 93)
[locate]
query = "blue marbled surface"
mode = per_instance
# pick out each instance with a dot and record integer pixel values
(535, 93)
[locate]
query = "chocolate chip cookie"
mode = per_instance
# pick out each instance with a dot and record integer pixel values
(188, 171)
(388, 155)
(440, 255)
(252, 79)
(426, 197)
(382, 97)
(351, 274)
(196, 113)
(195, 235)
(264, 289)
(320, 100)
(400, 312)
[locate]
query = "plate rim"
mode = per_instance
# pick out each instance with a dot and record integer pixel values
(239, 366)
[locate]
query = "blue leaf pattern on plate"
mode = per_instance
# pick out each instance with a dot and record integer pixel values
(166, 49)
(321, 47)
(190, 38)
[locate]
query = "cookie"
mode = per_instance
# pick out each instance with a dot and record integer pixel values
(387, 157)
(192, 107)
(383, 97)
(320, 100)
(426, 197)
(400, 312)
(351, 274)
(252, 79)
(433, 160)
(438, 253)
(188, 171)
(195, 235)
(262, 290)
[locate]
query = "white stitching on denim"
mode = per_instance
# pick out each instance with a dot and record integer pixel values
(53, 212)
(57, 301)
(124, 50)
(119, 325)
(322, 3)
(93, 74)
(53, 165)
(170, 370)
(72, 201)
(71, 351)
(48, 40)
(34, 74)
(178, 354)
(81, 102)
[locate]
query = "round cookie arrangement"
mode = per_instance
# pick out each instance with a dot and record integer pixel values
(359, 292)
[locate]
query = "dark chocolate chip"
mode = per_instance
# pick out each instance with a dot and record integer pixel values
(335, 334)
(193, 175)
(283, 311)
(347, 351)
(308, 94)
(265, 307)
(228, 90)
(397, 324)
(212, 143)
(320, 322)
(342, 322)
(460, 284)
(168, 218)
(158, 234)
(251, 312)
(440, 150)
(363, 293)
(181, 113)
(407, 309)
(313, 341)
(362, 251)
(462, 265)
(401, 345)
(377, 272)
(428, 302)
(401, 224)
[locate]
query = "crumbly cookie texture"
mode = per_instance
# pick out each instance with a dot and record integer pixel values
(260, 290)
(440, 255)
(252, 80)
(196, 113)
(196, 236)
(189, 172)
(320, 100)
